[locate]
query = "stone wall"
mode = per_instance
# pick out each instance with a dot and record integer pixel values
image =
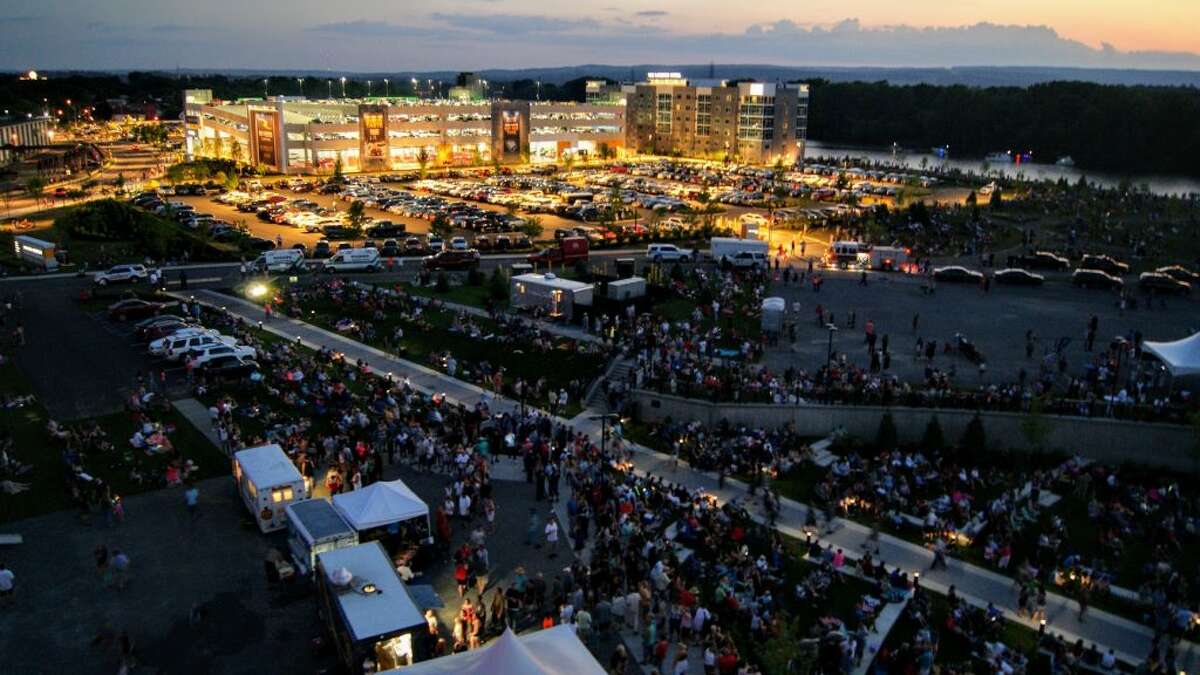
(1105, 440)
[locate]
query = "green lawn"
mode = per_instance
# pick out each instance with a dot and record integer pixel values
(33, 446)
(474, 296)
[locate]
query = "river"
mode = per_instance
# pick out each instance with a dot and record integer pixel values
(1159, 184)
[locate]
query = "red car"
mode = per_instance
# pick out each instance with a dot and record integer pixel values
(452, 260)
(135, 308)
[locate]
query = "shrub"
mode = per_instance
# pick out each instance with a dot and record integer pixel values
(933, 438)
(886, 439)
(498, 286)
(442, 285)
(973, 438)
(474, 277)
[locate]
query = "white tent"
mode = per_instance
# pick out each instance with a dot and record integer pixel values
(380, 504)
(1182, 357)
(546, 652)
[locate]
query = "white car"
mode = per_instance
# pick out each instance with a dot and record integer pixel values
(161, 345)
(177, 352)
(669, 253)
(121, 274)
(199, 357)
(459, 244)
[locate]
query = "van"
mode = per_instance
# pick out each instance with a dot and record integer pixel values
(354, 260)
(848, 254)
(282, 260)
(726, 251)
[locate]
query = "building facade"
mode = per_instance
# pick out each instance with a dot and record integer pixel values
(295, 135)
(35, 131)
(753, 122)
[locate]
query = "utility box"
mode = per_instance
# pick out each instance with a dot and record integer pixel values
(624, 290)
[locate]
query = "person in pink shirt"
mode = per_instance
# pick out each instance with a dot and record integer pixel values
(839, 559)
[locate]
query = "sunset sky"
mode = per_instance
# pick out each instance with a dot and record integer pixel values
(408, 34)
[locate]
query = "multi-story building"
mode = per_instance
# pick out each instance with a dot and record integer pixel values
(296, 135)
(25, 131)
(746, 121)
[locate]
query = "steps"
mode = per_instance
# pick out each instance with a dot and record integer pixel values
(617, 372)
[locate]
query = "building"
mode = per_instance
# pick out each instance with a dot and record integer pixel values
(605, 92)
(468, 87)
(30, 131)
(752, 122)
(290, 134)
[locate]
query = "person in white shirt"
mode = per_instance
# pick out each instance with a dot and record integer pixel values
(552, 536)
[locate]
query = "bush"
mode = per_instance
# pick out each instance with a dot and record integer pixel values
(474, 277)
(933, 438)
(442, 285)
(973, 438)
(886, 439)
(108, 220)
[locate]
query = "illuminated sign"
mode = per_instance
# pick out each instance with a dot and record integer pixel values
(265, 135)
(373, 138)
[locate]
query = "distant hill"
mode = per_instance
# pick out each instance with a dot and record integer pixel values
(977, 76)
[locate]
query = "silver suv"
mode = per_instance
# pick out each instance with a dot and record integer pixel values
(121, 273)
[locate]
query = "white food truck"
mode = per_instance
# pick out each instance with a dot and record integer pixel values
(315, 527)
(268, 482)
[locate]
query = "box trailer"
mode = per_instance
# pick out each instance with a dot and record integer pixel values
(315, 527)
(268, 481)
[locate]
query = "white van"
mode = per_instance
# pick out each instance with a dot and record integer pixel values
(280, 260)
(354, 260)
(739, 252)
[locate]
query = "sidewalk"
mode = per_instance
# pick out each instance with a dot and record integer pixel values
(1128, 639)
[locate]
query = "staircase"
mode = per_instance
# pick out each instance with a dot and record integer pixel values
(618, 371)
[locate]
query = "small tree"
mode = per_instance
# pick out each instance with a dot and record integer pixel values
(996, 201)
(971, 198)
(887, 438)
(338, 168)
(235, 150)
(231, 181)
(356, 216)
(568, 161)
(423, 162)
(34, 186)
(973, 439)
(441, 226)
(933, 438)
(533, 227)
(498, 285)
(119, 182)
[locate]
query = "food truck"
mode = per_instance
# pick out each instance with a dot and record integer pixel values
(37, 251)
(314, 527)
(268, 482)
(368, 609)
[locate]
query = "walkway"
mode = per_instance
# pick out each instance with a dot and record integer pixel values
(1128, 639)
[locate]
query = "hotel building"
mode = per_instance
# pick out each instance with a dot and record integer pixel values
(752, 122)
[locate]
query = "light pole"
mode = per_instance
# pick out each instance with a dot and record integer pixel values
(301, 81)
(539, 89)
(829, 354)
(343, 86)
(265, 80)
(604, 428)
(387, 91)
(416, 88)
(329, 87)
(368, 89)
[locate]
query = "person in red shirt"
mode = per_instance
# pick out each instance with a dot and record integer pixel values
(727, 663)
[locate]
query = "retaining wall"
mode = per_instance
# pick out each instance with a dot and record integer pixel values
(1104, 440)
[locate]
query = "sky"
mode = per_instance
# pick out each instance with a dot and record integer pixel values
(381, 35)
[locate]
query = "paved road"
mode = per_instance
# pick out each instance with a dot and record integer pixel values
(1129, 639)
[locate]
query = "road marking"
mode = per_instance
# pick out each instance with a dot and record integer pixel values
(202, 280)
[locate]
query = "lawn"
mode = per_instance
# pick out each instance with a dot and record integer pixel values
(33, 446)
(473, 296)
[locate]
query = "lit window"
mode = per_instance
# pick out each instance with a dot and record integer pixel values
(281, 495)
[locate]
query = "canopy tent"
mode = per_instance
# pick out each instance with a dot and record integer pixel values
(380, 504)
(1182, 357)
(546, 652)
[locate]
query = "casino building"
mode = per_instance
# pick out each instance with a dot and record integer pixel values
(295, 135)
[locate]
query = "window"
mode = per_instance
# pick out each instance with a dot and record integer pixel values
(283, 494)
(703, 114)
(662, 118)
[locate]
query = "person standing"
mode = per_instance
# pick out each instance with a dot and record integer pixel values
(120, 566)
(552, 535)
(191, 497)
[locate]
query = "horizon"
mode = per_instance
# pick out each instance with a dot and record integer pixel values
(371, 36)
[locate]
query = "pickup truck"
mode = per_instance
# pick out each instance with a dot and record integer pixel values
(567, 251)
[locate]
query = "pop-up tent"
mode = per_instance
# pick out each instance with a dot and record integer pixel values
(546, 652)
(1181, 357)
(379, 505)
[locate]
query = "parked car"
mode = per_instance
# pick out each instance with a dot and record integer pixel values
(179, 337)
(135, 308)
(1104, 263)
(414, 245)
(229, 366)
(669, 253)
(160, 326)
(1016, 276)
(452, 260)
(1040, 260)
(957, 274)
(201, 356)
(1180, 273)
(1096, 279)
(121, 274)
(459, 244)
(322, 249)
(385, 229)
(1163, 284)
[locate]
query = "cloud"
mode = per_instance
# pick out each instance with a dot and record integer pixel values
(651, 13)
(365, 28)
(514, 24)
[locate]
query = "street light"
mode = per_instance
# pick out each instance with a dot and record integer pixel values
(387, 91)
(329, 87)
(829, 354)
(301, 81)
(603, 419)
(343, 86)
(368, 89)
(264, 88)
(539, 90)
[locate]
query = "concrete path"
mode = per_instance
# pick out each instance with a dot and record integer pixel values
(975, 584)
(197, 413)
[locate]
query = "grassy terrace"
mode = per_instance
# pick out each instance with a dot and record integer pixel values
(32, 445)
(426, 340)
